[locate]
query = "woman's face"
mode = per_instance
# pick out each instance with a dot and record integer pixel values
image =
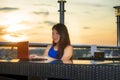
(55, 36)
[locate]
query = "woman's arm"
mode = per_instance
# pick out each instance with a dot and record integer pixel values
(45, 54)
(68, 53)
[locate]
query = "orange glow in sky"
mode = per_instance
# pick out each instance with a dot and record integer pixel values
(88, 21)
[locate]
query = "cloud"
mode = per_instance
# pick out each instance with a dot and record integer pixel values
(8, 9)
(49, 23)
(16, 35)
(39, 12)
(97, 5)
(90, 4)
(86, 27)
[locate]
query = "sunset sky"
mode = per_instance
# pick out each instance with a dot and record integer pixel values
(88, 21)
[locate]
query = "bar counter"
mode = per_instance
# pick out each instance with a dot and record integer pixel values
(75, 69)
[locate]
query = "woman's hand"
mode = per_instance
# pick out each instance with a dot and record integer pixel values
(31, 56)
(44, 58)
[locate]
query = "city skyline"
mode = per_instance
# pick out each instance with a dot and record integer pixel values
(88, 22)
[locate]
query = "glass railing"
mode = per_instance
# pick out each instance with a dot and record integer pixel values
(80, 51)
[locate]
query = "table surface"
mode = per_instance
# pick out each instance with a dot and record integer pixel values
(75, 69)
(79, 62)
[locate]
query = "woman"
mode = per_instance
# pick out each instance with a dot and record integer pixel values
(61, 47)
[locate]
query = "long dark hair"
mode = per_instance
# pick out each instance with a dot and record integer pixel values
(64, 38)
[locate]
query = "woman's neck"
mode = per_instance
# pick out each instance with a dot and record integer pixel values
(56, 47)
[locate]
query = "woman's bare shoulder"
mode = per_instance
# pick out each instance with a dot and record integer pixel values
(68, 53)
(69, 47)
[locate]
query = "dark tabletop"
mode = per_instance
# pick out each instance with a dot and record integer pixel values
(75, 69)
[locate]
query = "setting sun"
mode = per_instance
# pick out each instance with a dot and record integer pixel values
(14, 26)
(14, 37)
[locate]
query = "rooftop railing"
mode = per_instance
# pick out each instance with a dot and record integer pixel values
(79, 50)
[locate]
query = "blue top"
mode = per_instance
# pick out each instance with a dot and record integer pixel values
(52, 53)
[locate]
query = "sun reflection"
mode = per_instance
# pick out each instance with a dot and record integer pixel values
(15, 37)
